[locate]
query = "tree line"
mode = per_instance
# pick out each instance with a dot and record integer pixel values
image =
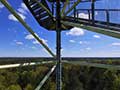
(74, 77)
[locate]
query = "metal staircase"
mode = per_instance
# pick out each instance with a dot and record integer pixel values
(41, 11)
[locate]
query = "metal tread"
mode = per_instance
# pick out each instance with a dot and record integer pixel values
(40, 14)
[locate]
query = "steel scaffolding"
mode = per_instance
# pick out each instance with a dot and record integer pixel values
(61, 20)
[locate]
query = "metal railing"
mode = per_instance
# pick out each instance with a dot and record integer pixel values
(88, 12)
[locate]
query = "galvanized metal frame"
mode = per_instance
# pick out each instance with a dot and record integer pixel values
(58, 40)
(64, 7)
(6, 66)
(58, 47)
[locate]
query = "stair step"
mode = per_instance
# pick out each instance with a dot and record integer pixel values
(42, 16)
(31, 2)
(36, 10)
(36, 6)
(39, 12)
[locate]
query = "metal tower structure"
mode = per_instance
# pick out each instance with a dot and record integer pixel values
(59, 15)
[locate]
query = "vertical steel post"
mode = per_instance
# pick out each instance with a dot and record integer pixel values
(58, 44)
(74, 12)
(93, 11)
(89, 15)
(107, 17)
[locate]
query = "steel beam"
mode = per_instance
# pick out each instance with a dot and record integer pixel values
(107, 32)
(64, 7)
(23, 64)
(93, 11)
(58, 47)
(96, 65)
(45, 78)
(7, 5)
(73, 6)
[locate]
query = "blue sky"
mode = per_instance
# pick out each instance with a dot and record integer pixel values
(77, 42)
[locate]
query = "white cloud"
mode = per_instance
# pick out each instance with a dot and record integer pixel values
(36, 42)
(44, 41)
(33, 47)
(83, 15)
(1, 5)
(21, 12)
(96, 36)
(83, 42)
(19, 43)
(62, 50)
(88, 48)
(116, 44)
(24, 6)
(30, 37)
(13, 18)
(23, 9)
(75, 32)
(72, 41)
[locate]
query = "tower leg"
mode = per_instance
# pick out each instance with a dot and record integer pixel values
(59, 63)
(58, 51)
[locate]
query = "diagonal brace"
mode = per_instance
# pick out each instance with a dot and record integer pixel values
(22, 64)
(73, 6)
(7, 5)
(45, 78)
(64, 7)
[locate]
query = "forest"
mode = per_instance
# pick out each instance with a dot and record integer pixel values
(75, 77)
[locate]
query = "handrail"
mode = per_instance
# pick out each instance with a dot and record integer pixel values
(108, 32)
(89, 12)
(98, 9)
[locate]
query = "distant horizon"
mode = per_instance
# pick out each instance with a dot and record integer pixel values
(61, 57)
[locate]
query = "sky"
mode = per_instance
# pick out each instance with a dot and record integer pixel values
(15, 41)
